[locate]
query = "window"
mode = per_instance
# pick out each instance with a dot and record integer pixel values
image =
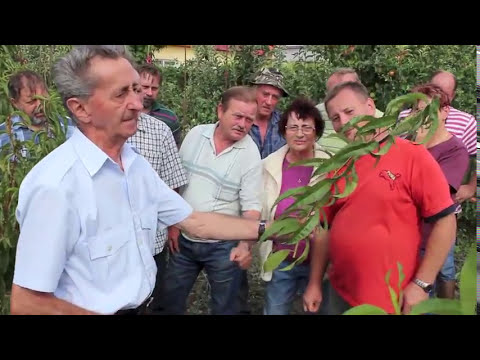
(165, 62)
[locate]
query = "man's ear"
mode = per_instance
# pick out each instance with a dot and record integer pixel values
(371, 106)
(220, 111)
(443, 113)
(78, 109)
(14, 103)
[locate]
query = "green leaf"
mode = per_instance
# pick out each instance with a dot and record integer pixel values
(365, 309)
(308, 162)
(432, 110)
(280, 225)
(401, 277)
(307, 228)
(394, 298)
(353, 123)
(300, 259)
(324, 217)
(382, 150)
(398, 103)
(387, 276)
(468, 283)
(438, 307)
(410, 124)
(289, 228)
(316, 193)
(378, 123)
(338, 136)
(354, 149)
(351, 185)
(274, 260)
(291, 192)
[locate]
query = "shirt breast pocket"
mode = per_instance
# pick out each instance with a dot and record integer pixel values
(108, 252)
(149, 224)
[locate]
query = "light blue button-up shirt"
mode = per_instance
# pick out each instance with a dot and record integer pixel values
(87, 228)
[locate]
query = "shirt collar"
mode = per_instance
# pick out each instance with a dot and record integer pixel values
(93, 158)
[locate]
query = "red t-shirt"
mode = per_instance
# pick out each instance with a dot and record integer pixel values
(378, 224)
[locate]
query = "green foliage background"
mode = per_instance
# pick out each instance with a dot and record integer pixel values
(192, 90)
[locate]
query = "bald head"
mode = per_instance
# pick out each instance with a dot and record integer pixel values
(446, 81)
(340, 76)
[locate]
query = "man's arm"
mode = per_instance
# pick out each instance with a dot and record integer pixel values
(438, 245)
(219, 226)
(312, 297)
(28, 302)
(173, 234)
(468, 190)
(242, 253)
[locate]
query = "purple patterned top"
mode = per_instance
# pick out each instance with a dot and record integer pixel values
(293, 177)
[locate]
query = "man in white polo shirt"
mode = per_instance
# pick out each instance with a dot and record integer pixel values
(224, 176)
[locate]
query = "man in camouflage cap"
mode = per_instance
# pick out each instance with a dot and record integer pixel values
(270, 88)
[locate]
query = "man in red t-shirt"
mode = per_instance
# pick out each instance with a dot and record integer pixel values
(378, 225)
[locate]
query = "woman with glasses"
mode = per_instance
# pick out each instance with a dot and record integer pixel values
(301, 125)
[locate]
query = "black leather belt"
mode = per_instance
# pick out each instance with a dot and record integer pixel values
(136, 311)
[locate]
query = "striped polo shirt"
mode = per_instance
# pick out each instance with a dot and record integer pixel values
(227, 183)
(460, 124)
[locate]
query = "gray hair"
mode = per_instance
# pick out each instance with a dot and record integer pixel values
(345, 71)
(356, 87)
(71, 73)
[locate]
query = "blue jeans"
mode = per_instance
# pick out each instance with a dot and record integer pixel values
(183, 269)
(280, 292)
(447, 272)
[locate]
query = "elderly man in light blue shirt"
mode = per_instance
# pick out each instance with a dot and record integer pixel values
(89, 211)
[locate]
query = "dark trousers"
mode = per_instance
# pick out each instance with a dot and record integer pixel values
(158, 291)
(243, 305)
(183, 268)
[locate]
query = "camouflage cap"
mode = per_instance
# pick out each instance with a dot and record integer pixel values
(270, 76)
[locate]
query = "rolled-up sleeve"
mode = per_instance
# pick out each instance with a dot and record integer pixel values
(252, 186)
(49, 228)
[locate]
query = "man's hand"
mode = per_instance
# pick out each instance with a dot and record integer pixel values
(312, 298)
(465, 192)
(412, 295)
(242, 255)
(173, 234)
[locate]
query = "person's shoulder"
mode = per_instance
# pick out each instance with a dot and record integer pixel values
(457, 145)
(149, 122)
(51, 170)
(276, 155)
(251, 148)
(455, 114)
(200, 129)
(276, 115)
(161, 110)
(407, 147)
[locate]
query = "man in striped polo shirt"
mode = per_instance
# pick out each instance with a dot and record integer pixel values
(224, 173)
(151, 80)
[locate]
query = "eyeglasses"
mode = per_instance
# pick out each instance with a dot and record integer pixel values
(306, 129)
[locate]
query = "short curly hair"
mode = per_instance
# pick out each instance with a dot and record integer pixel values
(304, 108)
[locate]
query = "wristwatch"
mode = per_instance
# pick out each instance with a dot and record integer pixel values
(425, 286)
(261, 227)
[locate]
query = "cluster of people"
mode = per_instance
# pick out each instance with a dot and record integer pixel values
(136, 212)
